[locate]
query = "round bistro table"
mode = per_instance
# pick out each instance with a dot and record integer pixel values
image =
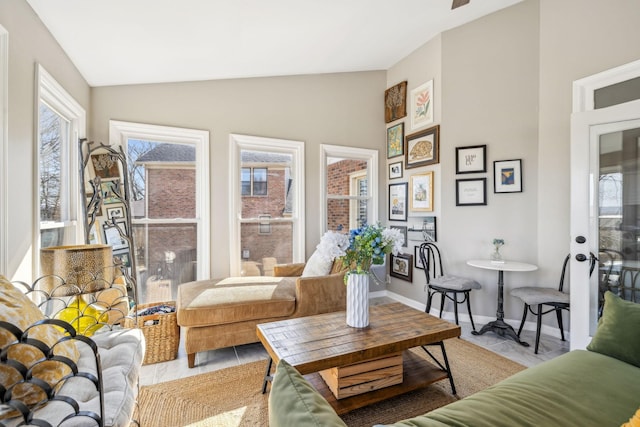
(499, 326)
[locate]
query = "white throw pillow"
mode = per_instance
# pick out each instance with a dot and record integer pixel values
(317, 265)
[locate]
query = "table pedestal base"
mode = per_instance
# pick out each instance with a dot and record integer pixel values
(501, 328)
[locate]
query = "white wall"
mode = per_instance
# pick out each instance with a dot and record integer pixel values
(29, 43)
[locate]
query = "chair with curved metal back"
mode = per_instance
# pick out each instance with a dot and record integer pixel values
(539, 296)
(448, 286)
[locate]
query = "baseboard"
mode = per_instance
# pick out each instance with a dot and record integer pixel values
(464, 317)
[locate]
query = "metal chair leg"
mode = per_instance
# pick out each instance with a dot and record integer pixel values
(559, 315)
(442, 298)
(539, 326)
(524, 317)
(429, 299)
(455, 306)
(473, 326)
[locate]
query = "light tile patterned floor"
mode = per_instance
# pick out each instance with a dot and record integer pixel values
(212, 360)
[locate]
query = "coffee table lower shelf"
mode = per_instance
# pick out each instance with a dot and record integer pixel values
(417, 373)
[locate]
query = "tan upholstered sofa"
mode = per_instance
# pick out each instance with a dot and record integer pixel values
(222, 313)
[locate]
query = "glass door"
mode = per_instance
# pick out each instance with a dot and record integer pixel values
(605, 212)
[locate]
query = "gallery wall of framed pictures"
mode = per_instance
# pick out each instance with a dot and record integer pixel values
(413, 153)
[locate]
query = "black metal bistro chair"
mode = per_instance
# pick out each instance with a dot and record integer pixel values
(448, 286)
(556, 299)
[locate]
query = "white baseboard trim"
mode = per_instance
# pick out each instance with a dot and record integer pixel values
(464, 316)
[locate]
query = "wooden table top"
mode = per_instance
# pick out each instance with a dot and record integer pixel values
(311, 344)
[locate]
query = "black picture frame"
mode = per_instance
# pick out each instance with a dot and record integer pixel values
(398, 203)
(507, 176)
(471, 159)
(402, 267)
(471, 192)
(395, 170)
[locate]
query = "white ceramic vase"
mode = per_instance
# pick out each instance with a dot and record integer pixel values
(358, 300)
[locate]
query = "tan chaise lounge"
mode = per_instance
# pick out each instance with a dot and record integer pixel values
(222, 313)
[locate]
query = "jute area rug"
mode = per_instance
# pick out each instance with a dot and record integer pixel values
(233, 396)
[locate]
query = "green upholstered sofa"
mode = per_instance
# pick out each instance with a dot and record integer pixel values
(595, 387)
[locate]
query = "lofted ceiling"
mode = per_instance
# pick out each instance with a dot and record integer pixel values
(116, 42)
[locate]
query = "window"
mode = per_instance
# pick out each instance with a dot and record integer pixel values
(169, 179)
(61, 122)
(350, 187)
(253, 181)
(267, 229)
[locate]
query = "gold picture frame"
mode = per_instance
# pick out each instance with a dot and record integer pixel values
(421, 192)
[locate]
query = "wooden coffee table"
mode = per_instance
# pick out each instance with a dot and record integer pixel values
(325, 343)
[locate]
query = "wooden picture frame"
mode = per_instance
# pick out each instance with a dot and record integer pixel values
(395, 170)
(471, 159)
(422, 105)
(422, 148)
(507, 176)
(471, 192)
(395, 140)
(403, 231)
(398, 201)
(421, 199)
(395, 102)
(402, 267)
(105, 165)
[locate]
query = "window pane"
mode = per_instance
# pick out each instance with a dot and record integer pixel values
(270, 171)
(163, 177)
(53, 130)
(245, 181)
(340, 173)
(259, 182)
(166, 256)
(258, 248)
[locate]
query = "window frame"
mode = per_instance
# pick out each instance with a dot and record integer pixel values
(238, 143)
(355, 153)
(49, 91)
(120, 132)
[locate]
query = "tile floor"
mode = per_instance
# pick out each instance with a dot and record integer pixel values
(212, 360)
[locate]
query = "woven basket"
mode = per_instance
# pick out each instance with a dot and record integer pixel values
(163, 338)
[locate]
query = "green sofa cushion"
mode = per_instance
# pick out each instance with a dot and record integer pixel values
(618, 334)
(294, 402)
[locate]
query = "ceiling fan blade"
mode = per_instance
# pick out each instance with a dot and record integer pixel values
(458, 3)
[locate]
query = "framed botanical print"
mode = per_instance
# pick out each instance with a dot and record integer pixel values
(422, 103)
(507, 176)
(395, 140)
(421, 199)
(398, 202)
(422, 148)
(402, 267)
(471, 159)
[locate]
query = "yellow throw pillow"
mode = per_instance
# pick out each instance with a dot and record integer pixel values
(85, 318)
(17, 309)
(634, 421)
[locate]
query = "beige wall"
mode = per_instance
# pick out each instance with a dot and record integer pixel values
(340, 109)
(29, 43)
